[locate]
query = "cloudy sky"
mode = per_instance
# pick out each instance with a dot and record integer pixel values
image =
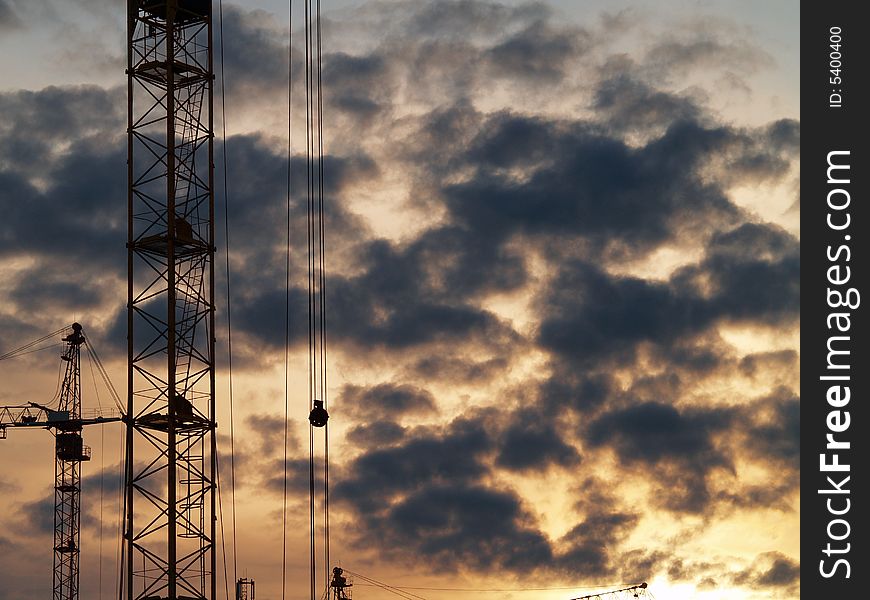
(564, 290)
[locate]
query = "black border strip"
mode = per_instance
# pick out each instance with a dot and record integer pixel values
(833, 121)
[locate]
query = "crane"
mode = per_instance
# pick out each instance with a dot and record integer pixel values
(171, 446)
(66, 423)
(339, 585)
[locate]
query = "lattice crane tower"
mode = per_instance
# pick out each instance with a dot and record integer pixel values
(66, 423)
(170, 444)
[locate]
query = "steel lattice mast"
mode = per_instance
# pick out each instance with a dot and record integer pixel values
(69, 454)
(66, 423)
(170, 448)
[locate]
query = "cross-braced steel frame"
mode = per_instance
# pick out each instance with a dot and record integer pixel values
(170, 449)
(69, 453)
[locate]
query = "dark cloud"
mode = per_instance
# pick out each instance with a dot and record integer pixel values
(783, 572)
(510, 140)
(258, 234)
(108, 479)
(775, 496)
(425, 498)
(532, 441)
(630, 104)
(775, 434)
(539, 53)
(590, 541)
(762, 362)
(268, 431)
(388, 401)
(753, 275)
(297, 478)
(453, 526)
(678, 446)
(594, 186)
(593, 316)
(37, 516)
(255, 55)
(440, 137)
(772, 569)
(54, 291)
(377, 434)
(427, 458)
(749, 274)
(60, 124)
(8, 18)
(390, 306)
(709, 47)
(361, 86)
(583, 392)
(652, 432)
(62, 173)
(767, 571)
(427, 495)
(459, 370)
(464, 18)
(258, 454)
(35, 519)
(785, 134)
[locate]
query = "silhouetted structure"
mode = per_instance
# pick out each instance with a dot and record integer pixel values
(245, 589)
(339, 585)
(70, 451)
(170, 459)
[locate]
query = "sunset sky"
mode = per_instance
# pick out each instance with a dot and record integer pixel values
(564, 291)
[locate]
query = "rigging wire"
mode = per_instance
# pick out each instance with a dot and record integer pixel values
(31, 351)
(322, 288)
(102, 467)
(316, 230)
(101, 369)
(121, 521)
(386, 586)
(229, 295)
(623, 587)
(94, 379)
(221, 522)
(26, 348)
(312, 333)
(56, 395)
(120, 535)
(287, 304)
(502, 590)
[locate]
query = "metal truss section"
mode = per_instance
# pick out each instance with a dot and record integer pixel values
(170, 459)
(69, 454)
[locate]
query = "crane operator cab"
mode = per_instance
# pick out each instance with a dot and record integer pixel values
(339, 585)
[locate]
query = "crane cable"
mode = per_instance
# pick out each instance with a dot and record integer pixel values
(312, 357)
(228, 295)
(121, 501)
(104, 375)
(323, 346)
(28, 347)
(402, 592)
(316, 228)
(287, 304)
(623, 587)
